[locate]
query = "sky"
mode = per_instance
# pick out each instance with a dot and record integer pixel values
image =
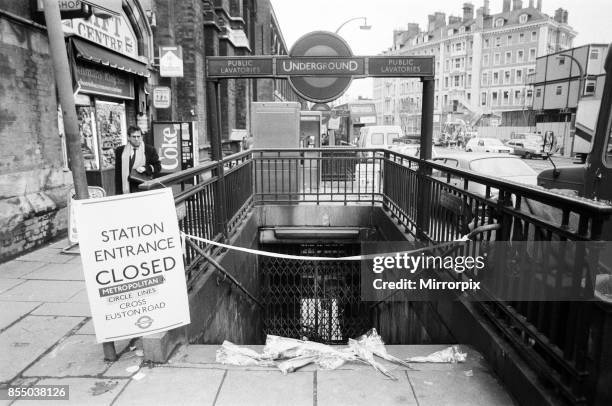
(590, 18)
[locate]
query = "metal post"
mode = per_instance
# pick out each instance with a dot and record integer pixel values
(61, 70)
(425, 154)
(214, 127)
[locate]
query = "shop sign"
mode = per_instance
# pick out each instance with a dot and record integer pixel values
(171, 61)
(95, 80)
(161, 97)
(114, 33)
(133, 264)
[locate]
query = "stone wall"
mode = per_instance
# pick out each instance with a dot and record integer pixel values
(33, 181)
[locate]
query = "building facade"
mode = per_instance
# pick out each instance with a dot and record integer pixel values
(568, 87)
(115, 67)
(482, 61)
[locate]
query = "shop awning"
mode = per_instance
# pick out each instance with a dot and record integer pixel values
(99, 55)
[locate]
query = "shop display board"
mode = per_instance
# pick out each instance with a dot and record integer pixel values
(111, 126)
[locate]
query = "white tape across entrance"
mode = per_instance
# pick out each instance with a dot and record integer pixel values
(307, 258)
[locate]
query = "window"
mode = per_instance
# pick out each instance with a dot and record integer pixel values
(446, 81)
(594, 54)
(496, 59)
(519, 76)
(498, 41)
(469, 80)
(486, 43)
(520, 55)
(538, 92)
(446, 65)
(561, 61)
(532, 54)
(507, 78)
(483, 98)
(509, 39)
(458, 46)
(456, 81)
(529, 94)
(522, 37)
(517, 97)
(499, 22)
(523, 18)
(485, 78)
(534, 35)
(495, 78)
(469, 96)
(506, 97)
(458, 63)
(493, 98)
(589, 86)
(559, 91)
(509, 57)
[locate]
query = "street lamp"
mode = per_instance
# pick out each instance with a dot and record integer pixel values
(581, 84)
(365, 25)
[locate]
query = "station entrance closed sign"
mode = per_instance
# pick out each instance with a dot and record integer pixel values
(133, 264)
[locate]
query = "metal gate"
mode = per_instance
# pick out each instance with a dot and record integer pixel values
(317, 300)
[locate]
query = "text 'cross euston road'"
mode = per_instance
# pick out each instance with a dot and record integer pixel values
(283, 66)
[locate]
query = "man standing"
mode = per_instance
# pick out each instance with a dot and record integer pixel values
(134, 162)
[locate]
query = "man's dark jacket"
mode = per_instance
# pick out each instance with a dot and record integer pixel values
(152, 165)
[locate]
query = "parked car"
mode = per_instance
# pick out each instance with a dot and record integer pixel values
(527, 148)
(487, 145)
(466, 213)
(508, 167)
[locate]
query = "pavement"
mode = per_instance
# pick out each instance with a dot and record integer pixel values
(47, 338)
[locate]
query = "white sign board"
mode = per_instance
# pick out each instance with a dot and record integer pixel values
(133, 264)
(171, 61)
(161, 97)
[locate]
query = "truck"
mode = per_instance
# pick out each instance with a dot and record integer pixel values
(593, 180)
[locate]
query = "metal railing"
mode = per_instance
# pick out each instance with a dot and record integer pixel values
(434, 203)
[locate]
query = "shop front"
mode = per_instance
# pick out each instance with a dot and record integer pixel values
(110, 77)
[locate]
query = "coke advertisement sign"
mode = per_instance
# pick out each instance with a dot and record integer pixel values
(176, 143)
(167, 140)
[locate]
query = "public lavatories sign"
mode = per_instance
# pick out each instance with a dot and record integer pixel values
(133, 264)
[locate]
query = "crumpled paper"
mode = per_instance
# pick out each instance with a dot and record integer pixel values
(448, 355)
(290, 354)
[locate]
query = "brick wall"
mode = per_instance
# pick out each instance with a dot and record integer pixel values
(33, 184)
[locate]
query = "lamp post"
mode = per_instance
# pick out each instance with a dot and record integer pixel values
(365, 25)
(581, 84)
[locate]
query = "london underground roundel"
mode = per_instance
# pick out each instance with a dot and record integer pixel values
(320, 89)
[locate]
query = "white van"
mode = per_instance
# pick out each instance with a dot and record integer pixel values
(379, 136)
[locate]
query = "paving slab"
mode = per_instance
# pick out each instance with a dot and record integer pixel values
(471, 387)
(46, 255)
(119, 368)
(22, 343)
(63, 309)
(363, 387)
(83, 391)
(18, 269)
(43, 291)
(172, 386)
(267, 388)
(7, 284)
(80, 296)
(68, 271)
(77, 355)
(87, 329)
(14, 312)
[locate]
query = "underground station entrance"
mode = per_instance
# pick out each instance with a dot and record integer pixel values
(270, 248)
